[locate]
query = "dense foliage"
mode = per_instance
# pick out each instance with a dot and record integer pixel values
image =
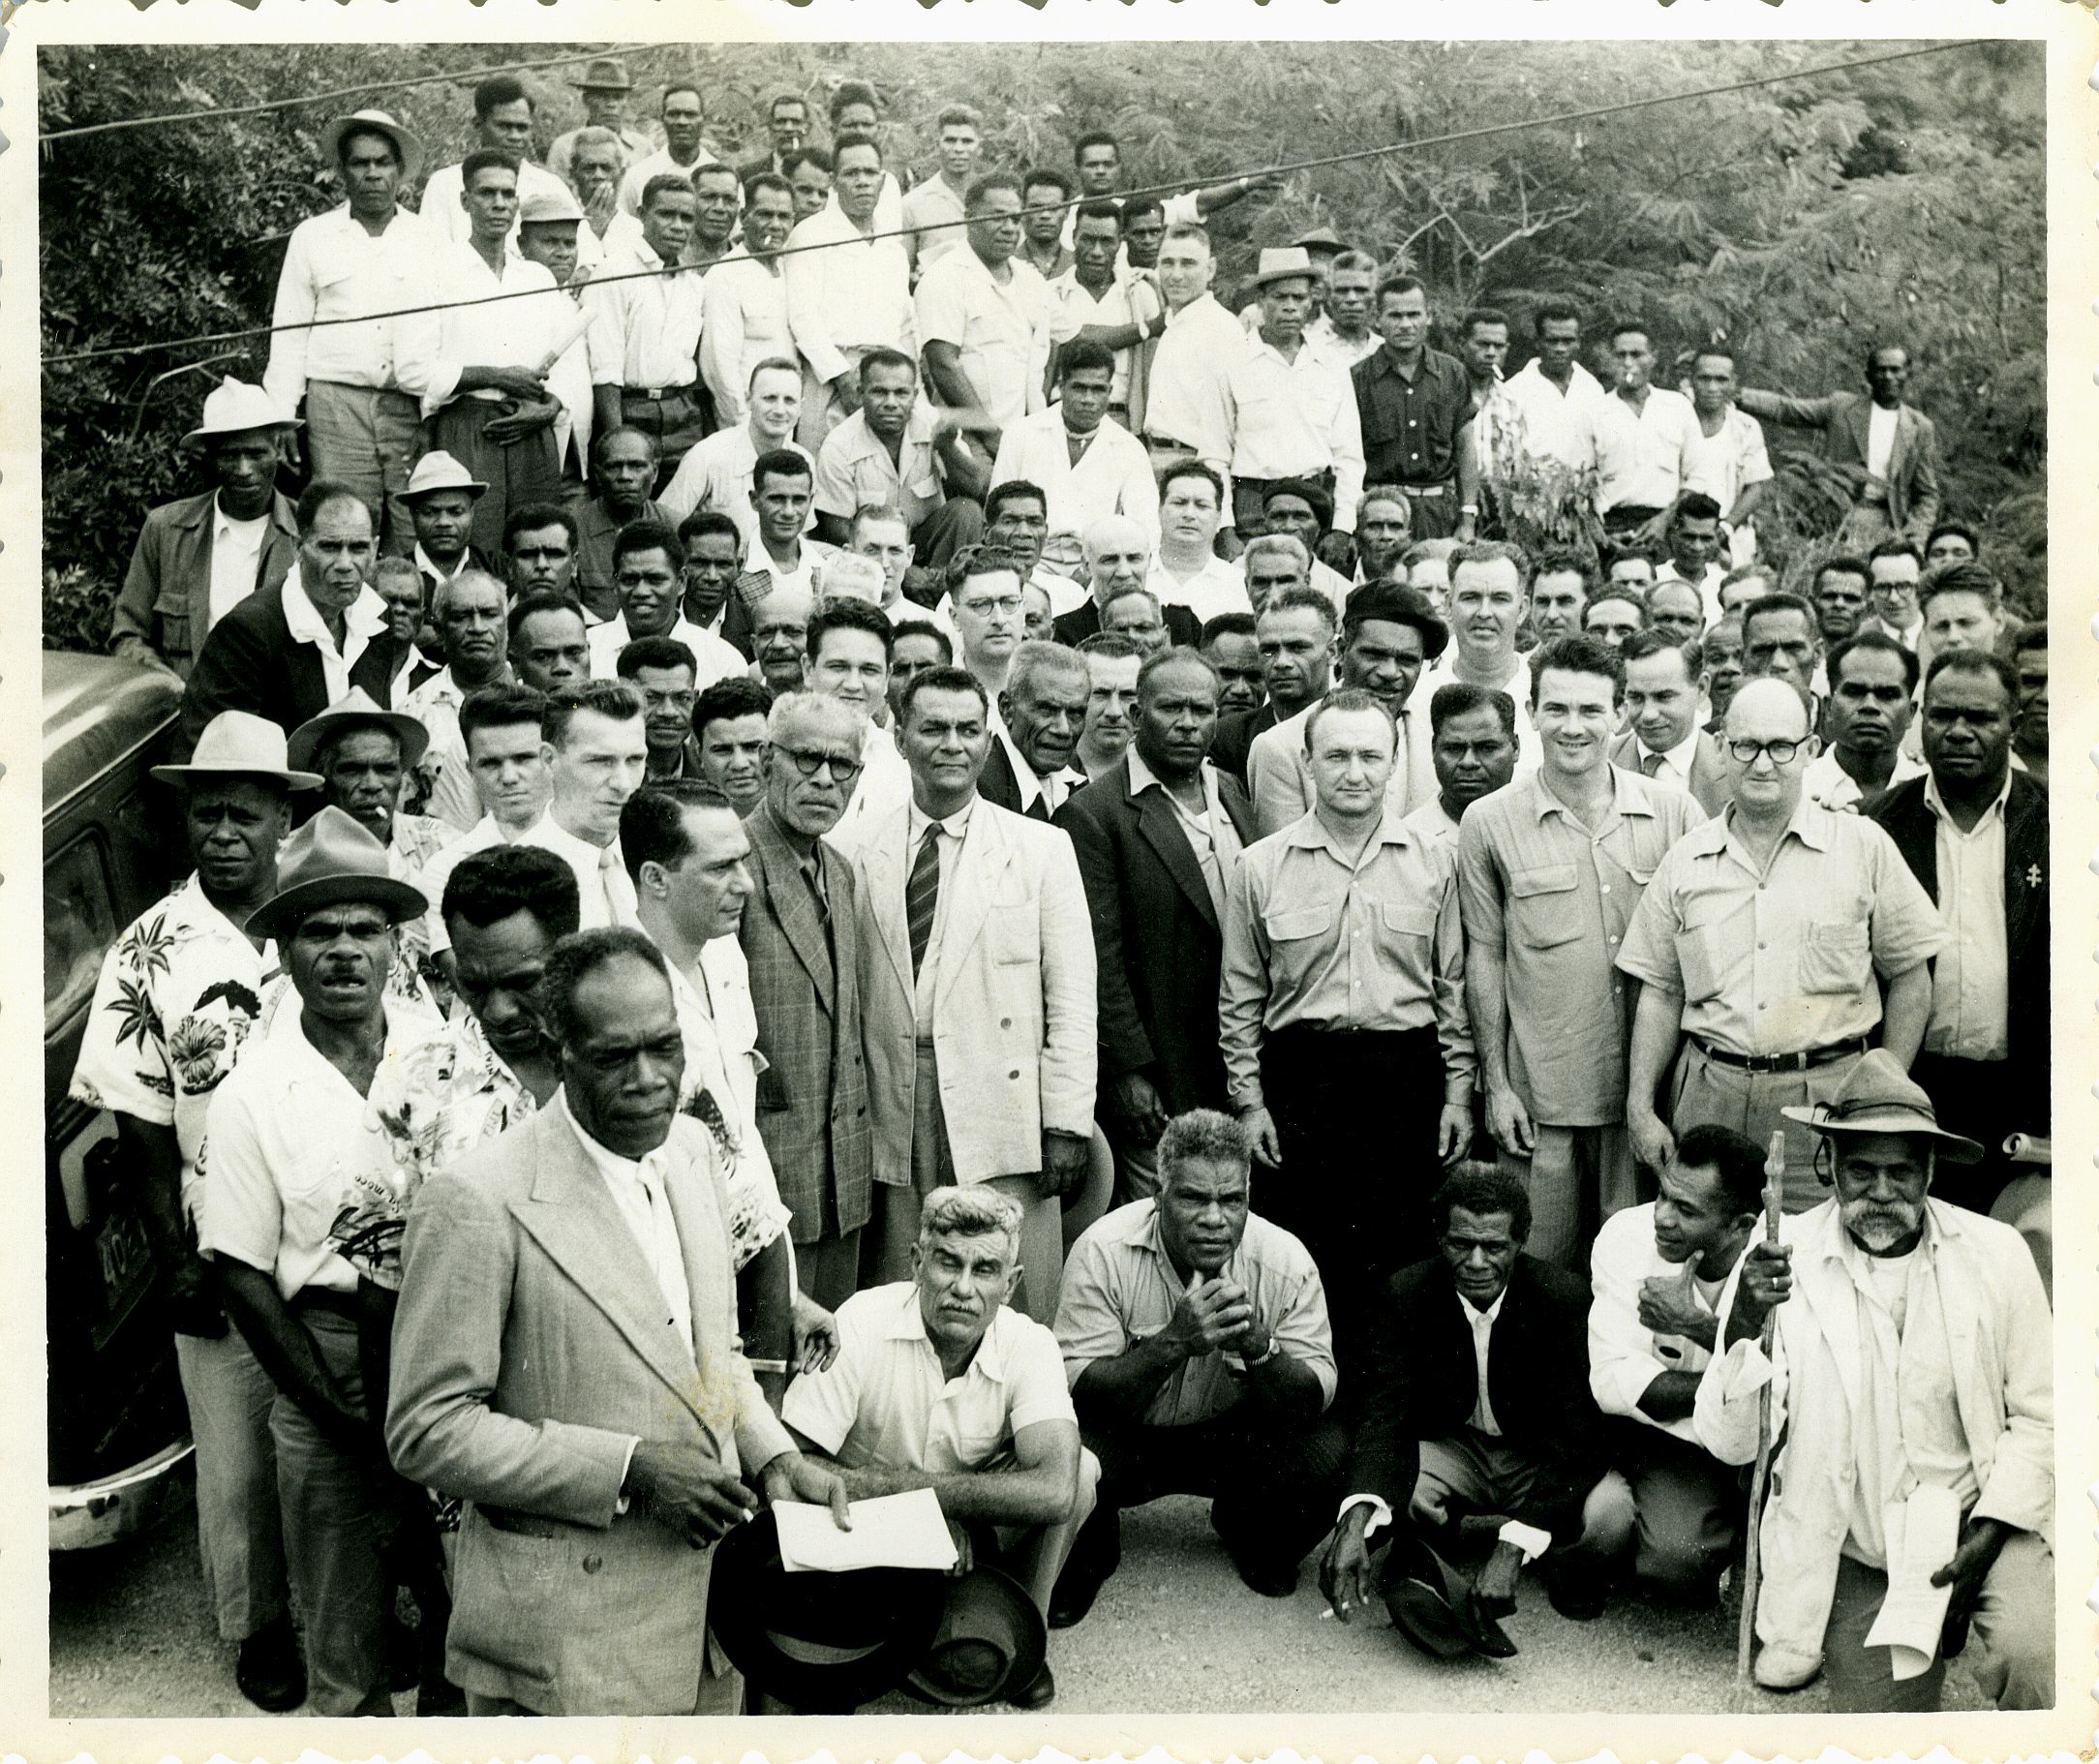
(1797, 223)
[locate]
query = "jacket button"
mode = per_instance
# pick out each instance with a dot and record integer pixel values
(1014, 1072)
(1005, 1023)
(591, 1563)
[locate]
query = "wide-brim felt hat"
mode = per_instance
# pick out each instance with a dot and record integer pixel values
(1429, 1600)
(239, 743)
(603, 76)
(331, 859)
(824, 1643)
(377, 122)
(1321, 239)
(357, 706)
(990, 1643)
(1877, 1096)
(437, 470)
(1278, 264)
(236, 406)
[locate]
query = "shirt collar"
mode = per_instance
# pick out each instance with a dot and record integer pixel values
(551, 835)
(1810, 822)
(223, 523)
(1936, 803)
(1492, 1314)
(608, 1163)
(956, 826)
(1311, 833)
(1623, 799)
(1680, 756)
(366, 615)
(1143, 778)
(909, 1324)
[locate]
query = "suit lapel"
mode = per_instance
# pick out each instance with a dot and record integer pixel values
(1161, 830)
(882, 866)
(1859, 416)
(793, 905)
(572, 1217)
(983, 856)
(703, 1237)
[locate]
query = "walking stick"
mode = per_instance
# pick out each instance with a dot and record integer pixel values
(1752, 1562)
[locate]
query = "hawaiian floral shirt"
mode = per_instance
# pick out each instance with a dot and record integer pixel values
(181, 991)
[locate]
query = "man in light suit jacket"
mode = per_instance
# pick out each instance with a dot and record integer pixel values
(1158, 836)
(1663, 739)
(977, 986)
(565, 1359)
(1887, 450)
(800, 939)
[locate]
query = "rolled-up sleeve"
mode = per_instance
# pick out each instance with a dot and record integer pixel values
(1089, 1327)
(1305, 1333)
(1621, 1358)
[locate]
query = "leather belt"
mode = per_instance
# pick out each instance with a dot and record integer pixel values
(1424, 490)
(1168, 440)
(1780, 1062)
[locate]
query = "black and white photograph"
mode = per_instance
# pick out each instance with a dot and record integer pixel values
(917, 875)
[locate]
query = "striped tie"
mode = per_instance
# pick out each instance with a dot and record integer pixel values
(921, 894)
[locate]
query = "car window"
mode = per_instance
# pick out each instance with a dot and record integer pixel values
(79, 925)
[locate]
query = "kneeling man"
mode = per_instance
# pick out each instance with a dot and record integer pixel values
(1912, 1385)
(940, 1383)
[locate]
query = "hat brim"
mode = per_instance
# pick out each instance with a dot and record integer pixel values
(398, 899)
(1896, 1120)
(405, 143)
(311, 735)
(983, 1600)
(1262, 280)
(291, 780)
(204, 432)
(473, 486)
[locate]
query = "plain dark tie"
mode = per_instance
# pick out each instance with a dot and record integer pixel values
(1039, 808)
(921, 894)
(1650, 764)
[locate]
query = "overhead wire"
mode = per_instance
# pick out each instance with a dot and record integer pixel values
(1177, 187)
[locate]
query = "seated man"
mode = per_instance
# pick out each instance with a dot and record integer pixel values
(1195, 1337)
(1478, 1439)
(940, 1383)
(1915, 1379)
(1657, 1271)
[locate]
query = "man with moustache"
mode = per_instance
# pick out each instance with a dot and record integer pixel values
(1473, 736)
(289, 652)
(1663, 739)
(1112, 664)
(1294, 637)
(1770, 942)
(744, 302)
(1041, 711)
(1909, 1380)
(1417, 417)
(1158, 837)
(1387, 636)
(469, 611)
(1871, 698)
(800, 938)
(183, 985)
(1551, 872)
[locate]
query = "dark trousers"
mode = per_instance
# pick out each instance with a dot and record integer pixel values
(1273, 1485)
(1432, 511)
(1628, 518)
(1987, 1101)
(957, 523)
(1356, 1112)
(526, 470)
(1249, 492)
(679, 418)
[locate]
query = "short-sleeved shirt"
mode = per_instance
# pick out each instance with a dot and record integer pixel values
(1645, 468)
(854, 469)
(1725, 464)
(1120, 1288)
(177, 995)
(295, 1159)
(1003, 329)
(1412, 428)
(1553, 900)
(1781, 961)
(885, 1402)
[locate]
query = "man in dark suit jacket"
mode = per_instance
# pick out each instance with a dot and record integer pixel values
(1295, 632)
(1157, 928)
(1986, 1078)
(1035, 734)
(1445, 1459)
(800, 941)
(1183, 629)
(1661, 710)
(1905, 500)
(266, 655)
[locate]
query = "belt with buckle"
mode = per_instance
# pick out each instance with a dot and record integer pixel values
(656, 395)
(1169, 441)
(1780, 1062)
(1425, 490)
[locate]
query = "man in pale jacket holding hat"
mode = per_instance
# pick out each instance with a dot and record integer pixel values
(363, 422)
(179, 992)
(1910, 1381)
(198, 557)
(292, 1151)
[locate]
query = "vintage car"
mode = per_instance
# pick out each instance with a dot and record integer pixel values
(119, 1430)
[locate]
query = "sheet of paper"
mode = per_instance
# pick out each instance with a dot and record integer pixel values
(889, 1532)
(1922, 1533)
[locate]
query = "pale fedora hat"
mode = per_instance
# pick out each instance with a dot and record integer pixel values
(545, 206)
(439, 471)
(1877, 1096)
(233, 407)
(375, 122)
(331, 860)
(356, 706)
(604, 75)
(239, 743)
(1279, 262)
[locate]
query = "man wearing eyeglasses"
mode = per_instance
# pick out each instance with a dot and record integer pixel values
(801, 941)
(1772, 942)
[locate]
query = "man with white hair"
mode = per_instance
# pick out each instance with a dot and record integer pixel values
(941, 1383)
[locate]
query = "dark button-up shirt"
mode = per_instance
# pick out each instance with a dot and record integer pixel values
(1412, 428)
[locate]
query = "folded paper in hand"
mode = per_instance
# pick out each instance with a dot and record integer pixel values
(889, 1532)
(1923, 1533)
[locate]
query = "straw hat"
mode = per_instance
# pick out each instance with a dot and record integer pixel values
(439, 471)
(234, 407)
(1279, 262)
(377, 122)
(239, 743)
(355, 708)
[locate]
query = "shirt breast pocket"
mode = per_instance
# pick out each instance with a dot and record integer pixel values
(172, 622)
(1542, 906)
(1835, 958)
(1296, 937)
(1403, 931)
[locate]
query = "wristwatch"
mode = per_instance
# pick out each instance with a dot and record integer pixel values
(1263, 1357)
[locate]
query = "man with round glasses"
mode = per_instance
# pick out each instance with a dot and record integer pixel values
(1771, 944)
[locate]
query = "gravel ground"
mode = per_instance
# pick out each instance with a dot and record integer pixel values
(1173, 1633)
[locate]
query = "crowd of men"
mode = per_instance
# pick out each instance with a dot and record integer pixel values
(798, 822)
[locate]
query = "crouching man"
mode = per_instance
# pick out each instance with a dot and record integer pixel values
(1910, 1375)
(940, 1383)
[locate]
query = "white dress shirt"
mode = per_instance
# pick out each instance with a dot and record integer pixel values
(744, 302)
(1647, 466)
(814, 553)
(1184, 393)
(1481, 1325)
(716, 474)
(365, 619)
(605, 889)
(1708, 586)
(655, 164)
(446, 215)
(1002, 326)
(645, 1208)
(883, 788)
(236, 559)
(1827, 783)
(1052, 791)
(1970, 981)
(1219, 586)
(1294, 418)
(1516, 683)
(1111, 476)
(1676, 761)
(1879, 440)
(1727, 462)
(1625, 1355)
(855, 292)
(1568, 427)
(334, 269)
(485, 835)
(716, 659)
(520, 332)
(953, 828)
(645, 331)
